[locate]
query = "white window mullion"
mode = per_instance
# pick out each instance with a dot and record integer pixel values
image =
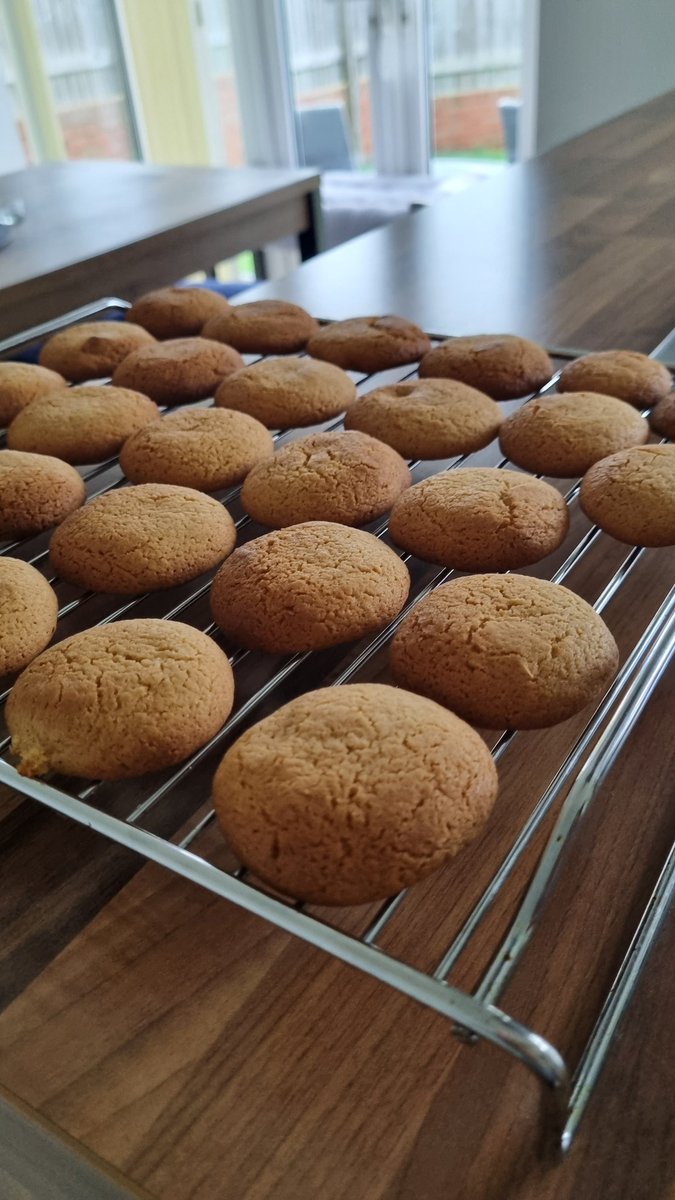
(261, 65)
(398, 45)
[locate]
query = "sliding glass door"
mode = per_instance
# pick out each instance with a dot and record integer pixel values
(358, 72)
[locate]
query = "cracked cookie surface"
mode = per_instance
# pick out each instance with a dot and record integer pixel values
(631, 495)
(626, 374)
(36, 492)
(348, 794)
(142, 538)
(21, 383)
(505, 651)
(92, 349)
(203, 448)
(562, 436)
(307, 587)
(370, 344)
(288, 392)
(347, 477)
(480, 519)
(28, 612)
(179, 370)
(500, 364)
(427, 418)
(81, 424)
(263, 327)
(662, 416)
(119, 700)
(174, 312)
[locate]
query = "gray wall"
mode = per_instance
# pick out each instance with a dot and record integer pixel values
(597, 59)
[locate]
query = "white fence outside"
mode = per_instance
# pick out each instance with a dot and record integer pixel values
(474, 44)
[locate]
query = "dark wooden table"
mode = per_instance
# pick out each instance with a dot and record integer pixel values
(203, 1054)
(122, 228)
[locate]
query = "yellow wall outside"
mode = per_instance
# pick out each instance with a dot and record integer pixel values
(165, 70)
(33, 83)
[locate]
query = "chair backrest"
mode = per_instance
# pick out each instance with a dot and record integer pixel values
(323, 138)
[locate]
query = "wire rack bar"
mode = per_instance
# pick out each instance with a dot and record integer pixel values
(554, 790)
(584, 768)
(583, 790)
(487, 1021)
(618, 999)
(94, 309)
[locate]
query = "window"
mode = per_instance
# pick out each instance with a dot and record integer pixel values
(82, 55)
(476, 61)
(329, 64)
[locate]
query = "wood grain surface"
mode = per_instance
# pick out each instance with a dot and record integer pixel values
(574, 248)
(122, 228)
(206, 1055)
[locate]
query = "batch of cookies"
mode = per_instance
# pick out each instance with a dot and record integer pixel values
(345, 794)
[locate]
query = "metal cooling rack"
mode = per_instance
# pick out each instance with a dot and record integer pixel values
(163, 820)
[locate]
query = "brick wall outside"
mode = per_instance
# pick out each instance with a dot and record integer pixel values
(97, 130)
(465, 122)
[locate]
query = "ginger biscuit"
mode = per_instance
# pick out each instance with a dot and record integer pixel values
(370, 344)
(505, 651)
(349, 794)
(263, 327)
(36, 492)
(203, 448)
(138, 539)
(427, 418)
(662, 416)
(480, 519)
(629, 376)
(631, 495)
(81, 424)
(179, 370)
(174, 312)
(501, 364)
(21, 383)
(285, 393)
(119, 700)
(93, 349)
(307, 587)
(562, 436)
(346, 477)
(28, 613)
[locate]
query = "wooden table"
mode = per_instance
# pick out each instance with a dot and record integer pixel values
(122, 228)
(202, 1054)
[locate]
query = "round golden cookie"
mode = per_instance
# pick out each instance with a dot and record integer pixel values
(629, 376)
(203, 448)
(178, 371)
(427, 418)
(28, 613)
(564, 435)
(307, 587)
(346, 477)
(349, 794)
(83, 424)
(480, 519)
(173, 312)
(631, 495)
(662, 417)
(505, 651)
(93, 349)
(263, 327)
(119, 700)
(287, 392)
(501, 364)
(36, 492)
(138, 539)
(370, 344)
(21, 383)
